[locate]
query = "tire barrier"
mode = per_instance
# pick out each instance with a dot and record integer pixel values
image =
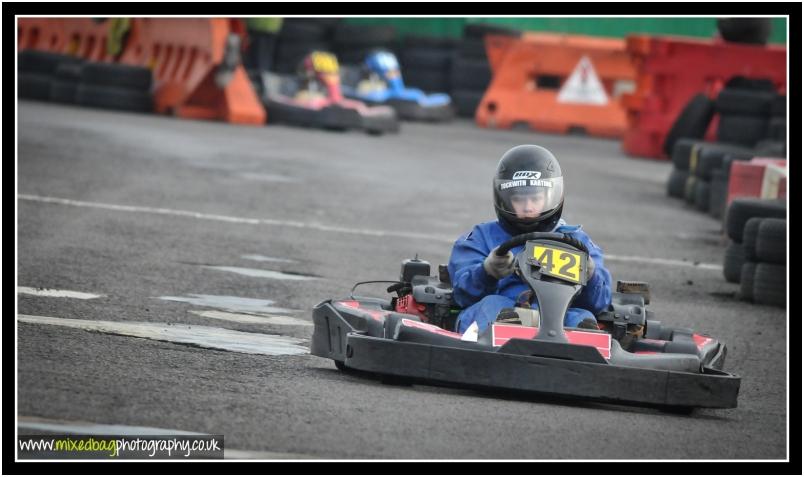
(763, 276)
(471, 66)
(670, 71)
(297, 38)
(692, 123)
(196, 68)
(770, 285)
(64, 86)
(427, 62)
(351, 43)
(558, 83)
(743, 209)
(46, 76)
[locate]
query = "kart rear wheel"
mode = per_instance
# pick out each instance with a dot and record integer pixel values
(341, 366)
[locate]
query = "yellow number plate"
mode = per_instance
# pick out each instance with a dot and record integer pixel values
(560, 263)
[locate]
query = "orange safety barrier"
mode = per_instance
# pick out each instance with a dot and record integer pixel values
(82, 37)
(41, 34)
(557, 83)
(185, 54)
(672, 70)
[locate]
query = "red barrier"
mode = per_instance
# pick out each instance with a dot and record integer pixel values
(748, 179)
(185, 54)
(670, 71)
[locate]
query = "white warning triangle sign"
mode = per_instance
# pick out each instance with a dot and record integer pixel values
(583, 86)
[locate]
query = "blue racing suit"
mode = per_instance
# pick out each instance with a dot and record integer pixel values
(482, 296)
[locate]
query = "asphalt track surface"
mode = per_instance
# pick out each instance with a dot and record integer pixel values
(341, 207)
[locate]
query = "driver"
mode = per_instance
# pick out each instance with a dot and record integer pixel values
(528, 197)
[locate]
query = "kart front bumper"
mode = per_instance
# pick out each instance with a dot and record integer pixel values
(518, 366)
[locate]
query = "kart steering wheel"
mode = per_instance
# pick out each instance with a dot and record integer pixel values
(520, 239)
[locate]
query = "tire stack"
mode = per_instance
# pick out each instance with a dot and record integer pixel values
(696, 165)
(745, 114)
(471, 73)
(427, 62)
(744, 254)
(39, 70)
(352, 43)
(691, 123)
(754, 31)
(115, 86)
(764, 271)
(299, 36)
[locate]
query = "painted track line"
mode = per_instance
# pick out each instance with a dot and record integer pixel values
(52, 292)
(237, 220)
(320, 227)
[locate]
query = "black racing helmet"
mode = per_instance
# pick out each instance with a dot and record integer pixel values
(528, 171)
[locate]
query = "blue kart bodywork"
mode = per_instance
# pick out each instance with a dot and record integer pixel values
(380, 82)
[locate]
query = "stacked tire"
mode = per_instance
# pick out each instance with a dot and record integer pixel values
(115, 86)
(40, 71)
(763, 277)
(471, 73)
(352, 43)
(756, 254)
(299, 36)
(427, 62)
(754, 31)
(745, 108)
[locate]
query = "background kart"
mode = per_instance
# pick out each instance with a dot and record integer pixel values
(379, 81)
(633, 359)
(286, 102)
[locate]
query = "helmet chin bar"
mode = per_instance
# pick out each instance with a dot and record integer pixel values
(515, 226)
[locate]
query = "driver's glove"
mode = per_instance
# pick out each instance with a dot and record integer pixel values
(499, 267)
(590, 267)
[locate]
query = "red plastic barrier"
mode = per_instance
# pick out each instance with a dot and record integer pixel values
(670, 71)
(185, 54)
(746, 178)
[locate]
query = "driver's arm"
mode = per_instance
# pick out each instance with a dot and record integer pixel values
(470, 282)
(596, 295)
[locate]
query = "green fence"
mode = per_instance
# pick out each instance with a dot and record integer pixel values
(609, 27)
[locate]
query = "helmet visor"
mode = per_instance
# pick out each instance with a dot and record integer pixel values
(529, 198)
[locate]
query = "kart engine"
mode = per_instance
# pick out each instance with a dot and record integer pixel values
(429, 298)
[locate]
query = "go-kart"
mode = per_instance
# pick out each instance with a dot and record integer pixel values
(379, 81)
(313, 98)
(631, 359)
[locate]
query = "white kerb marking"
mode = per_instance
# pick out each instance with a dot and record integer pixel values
(257, 320)
(202, 336)
(238, 220)
(235, 304)
(262, 258)
(253, 272)
(51, 292)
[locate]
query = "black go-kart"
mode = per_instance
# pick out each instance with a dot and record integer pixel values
(632, 359)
